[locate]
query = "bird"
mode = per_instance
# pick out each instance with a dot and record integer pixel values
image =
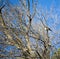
(47, 28)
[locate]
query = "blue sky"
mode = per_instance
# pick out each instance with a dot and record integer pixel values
(14, 2)
(47, 3)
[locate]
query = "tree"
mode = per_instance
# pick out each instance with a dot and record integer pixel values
(18, 30)
(56, 55)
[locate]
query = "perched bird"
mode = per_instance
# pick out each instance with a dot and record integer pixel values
(47, 28)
